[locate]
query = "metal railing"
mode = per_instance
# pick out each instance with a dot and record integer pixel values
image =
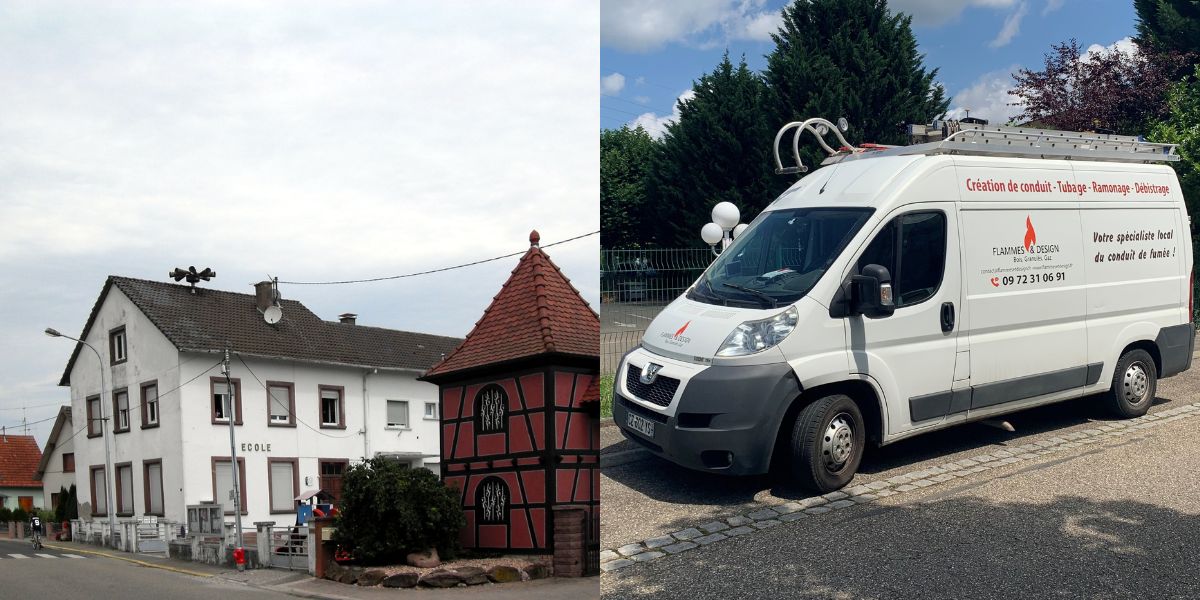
(287, 546)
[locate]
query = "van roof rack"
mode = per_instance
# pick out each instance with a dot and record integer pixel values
(980, 139)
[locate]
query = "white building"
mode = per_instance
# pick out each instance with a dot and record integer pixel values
(309, 397)
(56, 469)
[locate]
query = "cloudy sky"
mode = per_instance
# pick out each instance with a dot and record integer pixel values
(651, 52)
(302, 140)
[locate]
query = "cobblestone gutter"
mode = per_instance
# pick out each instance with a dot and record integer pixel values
(774, 515)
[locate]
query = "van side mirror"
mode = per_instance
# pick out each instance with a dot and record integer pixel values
(871, 292)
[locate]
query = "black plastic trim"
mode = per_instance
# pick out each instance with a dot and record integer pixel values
(941, 404)
(1175, 347)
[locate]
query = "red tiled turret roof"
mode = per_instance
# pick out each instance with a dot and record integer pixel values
(19, 457)
(537, 311)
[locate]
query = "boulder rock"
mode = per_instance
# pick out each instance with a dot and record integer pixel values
(424, 560)
(333, 571)
(537, 571)
(350, 574)
(440, 578)
(371, 577)
(472, 575)
(503, 574)
(401, 580)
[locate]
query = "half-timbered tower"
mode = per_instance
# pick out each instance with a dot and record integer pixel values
(520, 410)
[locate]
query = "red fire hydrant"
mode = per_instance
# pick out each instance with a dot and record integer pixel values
(239, 558)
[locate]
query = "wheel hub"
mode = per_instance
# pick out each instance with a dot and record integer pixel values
(837, 442)
(1135, 385)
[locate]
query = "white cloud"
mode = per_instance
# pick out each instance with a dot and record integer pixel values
(307, 140)
(642, 99)
(611, 85)
(1124, 45)
(641, 80)
(646, 25)
(1011, 27)
(987, 98)
(1052, 5)
(934, 13)
(656, 125)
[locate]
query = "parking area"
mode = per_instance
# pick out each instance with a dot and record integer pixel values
(971, 511)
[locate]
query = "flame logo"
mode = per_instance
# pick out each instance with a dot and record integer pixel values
(682, 329)
(1030, 234)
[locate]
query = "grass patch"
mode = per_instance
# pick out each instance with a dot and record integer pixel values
(606, 396)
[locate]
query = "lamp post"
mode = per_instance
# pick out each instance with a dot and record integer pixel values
(724, 228)
(108, 472)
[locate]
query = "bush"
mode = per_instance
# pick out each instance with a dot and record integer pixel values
(60, 511)
(5, 514)
(388, 511)
(19, 515)
(72, 505)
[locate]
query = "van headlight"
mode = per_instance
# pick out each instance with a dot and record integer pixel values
(756, 336)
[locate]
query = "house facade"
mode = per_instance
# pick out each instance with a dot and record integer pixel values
(307, 397)
(56, 469)
(19, 456)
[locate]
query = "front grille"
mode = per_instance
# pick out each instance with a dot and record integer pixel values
(660, 392)
(641, 410)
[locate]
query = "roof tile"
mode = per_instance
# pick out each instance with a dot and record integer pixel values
(19, 457)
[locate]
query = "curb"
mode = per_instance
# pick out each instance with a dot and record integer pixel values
(607, 422)
(765, 515)
(132, 560)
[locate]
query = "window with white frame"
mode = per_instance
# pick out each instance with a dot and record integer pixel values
(150, 404)
(99, 492)
(331, 407)
(283, 484)
(431, 410)
(121, 410)
(117, 348)
(223, 483)
(222, 405)
(280, 408)
(397, 413)
(94, 424)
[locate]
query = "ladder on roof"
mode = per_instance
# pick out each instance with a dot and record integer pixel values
(955, 137)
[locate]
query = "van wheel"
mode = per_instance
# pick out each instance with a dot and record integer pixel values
(1134, 384)
(827, 443)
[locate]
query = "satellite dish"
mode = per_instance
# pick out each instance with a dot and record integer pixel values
(272, 315)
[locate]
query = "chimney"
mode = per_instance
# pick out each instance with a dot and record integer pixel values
(347, 318)
(264, 295)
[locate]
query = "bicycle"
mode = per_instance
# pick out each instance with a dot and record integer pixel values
(37, 540)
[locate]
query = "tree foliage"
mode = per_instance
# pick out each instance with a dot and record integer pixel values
(1165, 26)
(388, 511)
(853, 59)
(719, 150)
(1182, 126)
(1107, 90)
(625, 156)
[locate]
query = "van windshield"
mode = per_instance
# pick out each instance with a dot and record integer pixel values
(780, 257)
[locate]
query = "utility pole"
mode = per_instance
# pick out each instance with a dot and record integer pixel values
(237, 489)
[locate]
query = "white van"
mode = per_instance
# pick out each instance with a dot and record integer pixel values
(903, 290)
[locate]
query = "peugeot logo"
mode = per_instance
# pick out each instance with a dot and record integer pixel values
(650, 373)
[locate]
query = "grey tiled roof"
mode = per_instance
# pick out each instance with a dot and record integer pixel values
(212, 320)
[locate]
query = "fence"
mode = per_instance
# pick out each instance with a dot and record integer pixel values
(284, 547)
(634, 286)
(146, 534)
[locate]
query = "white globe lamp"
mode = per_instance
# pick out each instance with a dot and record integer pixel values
(726, 215)
(711, 234)
(739, 229)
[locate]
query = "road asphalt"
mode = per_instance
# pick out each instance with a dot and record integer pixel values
(1117, 518)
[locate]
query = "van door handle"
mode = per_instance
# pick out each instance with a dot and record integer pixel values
(947, 316)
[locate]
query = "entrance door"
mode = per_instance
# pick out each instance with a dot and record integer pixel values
(331, 477)
(911, 353)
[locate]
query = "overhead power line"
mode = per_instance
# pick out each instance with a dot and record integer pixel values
(478, 262)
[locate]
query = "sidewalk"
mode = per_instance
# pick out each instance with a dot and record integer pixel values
(300, 584)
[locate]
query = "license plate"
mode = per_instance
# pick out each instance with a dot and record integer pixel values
(640, 424)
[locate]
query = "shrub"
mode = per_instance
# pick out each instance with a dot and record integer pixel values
(19, 515)
(72, 505)
(388, 511)
(60, 511)
(5, 514)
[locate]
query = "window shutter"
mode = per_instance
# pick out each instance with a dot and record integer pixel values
(282, 493)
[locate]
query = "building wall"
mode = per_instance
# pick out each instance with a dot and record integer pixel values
(12, 496)
(151, 357)
(54, 479)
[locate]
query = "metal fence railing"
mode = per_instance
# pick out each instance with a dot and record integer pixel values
(634, 286)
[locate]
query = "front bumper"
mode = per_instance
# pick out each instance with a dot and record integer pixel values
(721, 419)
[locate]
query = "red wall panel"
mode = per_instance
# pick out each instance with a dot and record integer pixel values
(533, 387)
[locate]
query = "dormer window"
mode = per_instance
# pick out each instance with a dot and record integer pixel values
(117, 346)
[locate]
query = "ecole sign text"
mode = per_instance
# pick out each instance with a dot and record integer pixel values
(252, 447)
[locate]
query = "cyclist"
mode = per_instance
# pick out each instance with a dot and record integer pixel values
(35, 526)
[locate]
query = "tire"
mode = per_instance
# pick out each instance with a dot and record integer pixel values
(827, 443)
(1134, 384)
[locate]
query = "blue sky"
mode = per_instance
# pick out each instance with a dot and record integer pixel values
(652, 51)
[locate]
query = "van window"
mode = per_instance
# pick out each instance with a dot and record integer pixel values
(780, 257)
(919, 239)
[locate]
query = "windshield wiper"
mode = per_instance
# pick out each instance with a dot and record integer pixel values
(770, 301)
